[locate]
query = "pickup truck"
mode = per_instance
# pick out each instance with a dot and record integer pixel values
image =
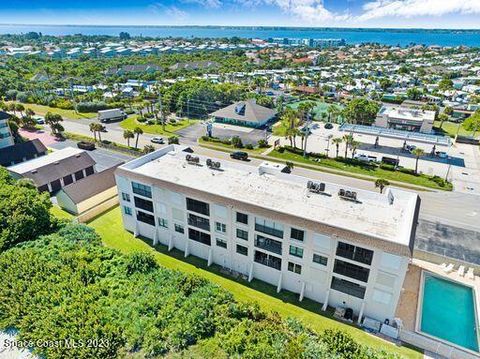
(365, 158)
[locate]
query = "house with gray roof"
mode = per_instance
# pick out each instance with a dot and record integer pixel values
(21, 152)
(52, 172)
(245, 113)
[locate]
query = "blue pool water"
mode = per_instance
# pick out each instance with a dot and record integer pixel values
(448, 312)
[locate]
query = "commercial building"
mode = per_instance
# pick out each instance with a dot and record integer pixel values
(52, 172)
(338, 246)
(405, 119)
(6, 138)
(245, 113)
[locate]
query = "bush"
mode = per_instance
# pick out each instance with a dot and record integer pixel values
(173, 140)
(141, 119)
(140, 262)
(407, 171)
(91, 106)
(237, 142)
(281, 149)
(22, 97)
(249, 146)
(387, 167)
(262, 143)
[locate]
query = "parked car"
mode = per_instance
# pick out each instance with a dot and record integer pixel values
(158, 140)
(410, 148)
(328, 126)
(39, 120)
(84, 145)
(239, 155)
(390, 161)
(365, 158)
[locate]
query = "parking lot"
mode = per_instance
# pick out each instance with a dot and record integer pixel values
(459, 162)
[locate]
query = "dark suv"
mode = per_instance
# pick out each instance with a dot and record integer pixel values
(239, 155)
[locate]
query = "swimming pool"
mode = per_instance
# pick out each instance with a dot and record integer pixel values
(448, 312)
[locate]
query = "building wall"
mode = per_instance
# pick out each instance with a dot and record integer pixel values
(386, 271)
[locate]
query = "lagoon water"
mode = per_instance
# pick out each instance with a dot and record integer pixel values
(402, 37)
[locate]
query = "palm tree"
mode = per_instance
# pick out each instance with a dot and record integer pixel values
(347, 139)
(99, 128)
(337, 141)
(137, 131)
(417, 152)
(93, 129)
(127, 134)
(353, 146)
(381, 184)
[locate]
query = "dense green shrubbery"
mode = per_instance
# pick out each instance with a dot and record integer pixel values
(91, 106)
(68, 286)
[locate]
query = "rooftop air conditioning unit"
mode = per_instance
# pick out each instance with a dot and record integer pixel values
(192, 159)
(348, 195)
(213, 164)
(316, 187)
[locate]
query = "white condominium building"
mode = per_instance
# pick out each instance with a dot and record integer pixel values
(6, 138)
(338, 246)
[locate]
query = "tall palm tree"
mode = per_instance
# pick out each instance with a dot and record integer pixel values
(347, 139)
(127, 134)
(99, 128)
(137, 131)
(353, 146)
(337, 141)
(93, 129)
(381, 183)
(417, 152)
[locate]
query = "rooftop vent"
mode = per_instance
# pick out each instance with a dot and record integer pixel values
(316, 187)
(348, 195)
(34, 171)
(193, 160)
(240, 109)
(213, 164)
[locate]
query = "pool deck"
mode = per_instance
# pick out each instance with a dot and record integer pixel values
(407, 308)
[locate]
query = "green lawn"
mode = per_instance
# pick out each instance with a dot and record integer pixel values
(229, 148)
(109, 227)
(451, 128)
(319, 109)
(60, 213)
(70, 114)
(420, 180)
(170, 129)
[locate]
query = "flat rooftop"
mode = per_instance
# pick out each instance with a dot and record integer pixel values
(43, 161)
(373, 214)
(409, 114)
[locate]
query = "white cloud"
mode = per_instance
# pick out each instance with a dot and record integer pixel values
(412, 8)
(212, 4)
(176, 14)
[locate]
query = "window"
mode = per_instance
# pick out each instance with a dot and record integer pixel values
(297, 234)
(198, 222)
(294, 267)
(127, 210)
(143, 204)
(220, 227)
(145, 218)
(162, 222)
(242, 250)
(348, 287)
(268, 260)
(221, 243)
(198, 236)
(351, 270)
(198, 206)
(268, 244)
(242, 234)
(179, 228)
(125, 197)
(89, 171)
(296, 251)
(242, 218)
(357, 254)
(268, 227)
(317, 258)
(142, 190)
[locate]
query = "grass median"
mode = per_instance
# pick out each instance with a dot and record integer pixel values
(109, 226)
(69, 114)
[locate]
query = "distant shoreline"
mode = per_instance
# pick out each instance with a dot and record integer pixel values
(260, 28)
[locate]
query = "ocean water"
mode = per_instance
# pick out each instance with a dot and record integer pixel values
(394, 37)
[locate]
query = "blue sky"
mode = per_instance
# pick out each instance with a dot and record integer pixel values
(340, 13)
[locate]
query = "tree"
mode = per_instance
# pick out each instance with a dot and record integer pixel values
(472, 123)
(414, 93)
(148, 149)
(353, 146)
(237, 142)
(381, 184)
(304, 110)
(128, 135)
(417, 152)
(124, 36)
(337, 141)
(442, 117)
(137, 131)
(99, 128)
(93, 128)
(361, 111)
(54, 120)
(347, 139)
(24, 212)
(173, 140)
(445, 84)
